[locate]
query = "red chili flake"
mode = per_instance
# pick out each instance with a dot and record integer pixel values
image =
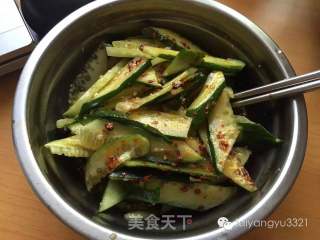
(160, 69)
(184, 188)
(112, 163)
(172, 39)
(197, 191)
(176, 85)
(243, 173)
(209, 167)
(155, 122)
(202, 148)
(150, 81)
(133, 63)
(223, 145)
(220, 135)
(141, 47)
(108, 126)
(185, 45)
(147, 178)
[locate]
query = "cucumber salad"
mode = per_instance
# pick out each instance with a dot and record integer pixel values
(154, 123)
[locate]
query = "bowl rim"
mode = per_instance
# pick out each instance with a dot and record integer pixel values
(92, 230)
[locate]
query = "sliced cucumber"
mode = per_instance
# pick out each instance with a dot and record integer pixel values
(228, 65)
(210, 91)
(156, 52)
(200, 169)
(254, 133)
(203, 134)
(169, 37)
(93, 68)
(234, 169)
(186, 153)
(157, 61)
(127, 75)
(123, 52)
(222, 130)
(135, 90)
(70, 147)
(149, 78)
(136, 43)
(136, 103)
(142, 192)
(112, 154)
(94, 89)
(241, 154)
(122, 118)
(177, 152)
(169, 124)
(64, 122)
(115, 192)
(75, 128)
(184, 92)
(196, 145)
(93, 134)
(182, 61)
(195, 196)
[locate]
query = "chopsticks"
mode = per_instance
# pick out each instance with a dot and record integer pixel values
(284, 88)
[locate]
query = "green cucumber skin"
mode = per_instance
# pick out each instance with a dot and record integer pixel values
(222, 129)
(117, 150)
(122, 118)
(139, 193)
(101, 100)
(212, 154)
(169, 96)
(175, 42)
(195, 196)
(255, 134)
(197, 172)
(182, 61)
(169, 124)
(127, 106)
(220, 64)
(194, 84)
(199, 114)
(252, 133)
(228, 66)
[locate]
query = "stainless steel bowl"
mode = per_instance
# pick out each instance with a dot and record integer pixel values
(42, 92)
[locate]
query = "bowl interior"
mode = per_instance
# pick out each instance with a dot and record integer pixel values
(216, 32)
